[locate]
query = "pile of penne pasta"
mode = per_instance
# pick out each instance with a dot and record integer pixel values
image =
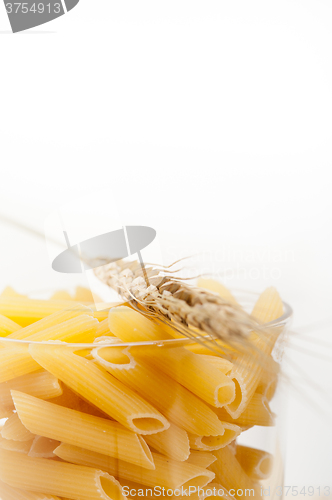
(112, 420)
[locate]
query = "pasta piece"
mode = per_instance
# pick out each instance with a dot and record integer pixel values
(15, 430)
(9, 493)
(16, 361)
(131, 326)
(211, 443)
(19, 446)
(201, 458)
(83, 294)
(215, 490)
(168, 473)
(222, 364)
(7, 326)
(230, 474)
(26, 311)
(43, 447)
(5, 412)
(43, 475)
(53, 320)
(103, 329)
(100, 389)
(192, 371)
(173, 443)
(72, 400)
(173, 400)
(39, 384)
(256, 463)
(257, 412)
(218, 288)
(61, 295)
(249, 368)
(77, 428)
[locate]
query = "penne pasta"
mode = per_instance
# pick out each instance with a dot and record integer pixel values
(173, 400)
(192, 371)
(218, 288)
(103, 329)
(19, 446)
(256, 463)
(9, 292)
(40, 384)
(61, 295)
(43, 475)
(7, 326)
(224, 365)
(100, 389)
(172, 443)
(230, 474)
(249, 368)
(257, 412)
(25, 311)
(43, 447)
(168, 473)
(201, 458)
(15, 430)
(211, 443)
(9, 493)
(53, 320)
(16, 361)
(77, 428)
(131, 326)
(215, 490)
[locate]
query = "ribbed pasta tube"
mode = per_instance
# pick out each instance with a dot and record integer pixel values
(15, 430)
(77, 428)
(167, 473)
(9, 493)
(172, 443)
(192, 371)
(25, 311)
(257, 412)
(256, 463)
(100, 388)
(230, 474)
(173, 400)
(43, 447)
(19, 446)
(57, 478)
(7, 326)
(211, 443)
(41, 384)
(201, 458)
(16, 361)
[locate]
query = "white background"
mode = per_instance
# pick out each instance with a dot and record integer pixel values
(210, 121)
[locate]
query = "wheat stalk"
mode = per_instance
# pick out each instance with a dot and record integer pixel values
(196, 313)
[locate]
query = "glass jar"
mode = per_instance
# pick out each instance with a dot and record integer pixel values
(88, 417)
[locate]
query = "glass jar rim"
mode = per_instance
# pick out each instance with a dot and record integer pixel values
(176, 342)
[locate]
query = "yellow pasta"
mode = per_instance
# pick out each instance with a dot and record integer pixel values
(193, 371)
(61, 295)
(9, 493)
(41, 384)
(131, 326)
(168, 473)
(256, 463)
(77, 428)
(257, 412)
(218, 288)
(249, 368)
(211, 443)
(26, 311)
(9, 292)
(201, 458)
(172, 443)
(16, 361)
(53, 320)
(173, 400)
(7, 326)
(224, 365)
(57, 478)
(101, 389)
(230, 474)
(19, 446)
(215, 490)
(15, 430)
(43, 447)
(103, 329)
(5, 412)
